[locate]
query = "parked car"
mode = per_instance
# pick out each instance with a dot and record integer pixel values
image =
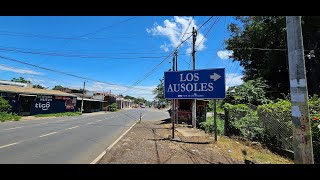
(142, 106)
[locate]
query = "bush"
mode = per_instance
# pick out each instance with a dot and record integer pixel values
(8, 117)
(112, 107)
(208, 125)
(4, 105)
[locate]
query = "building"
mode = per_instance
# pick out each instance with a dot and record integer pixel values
(31, 101)
(184, 108)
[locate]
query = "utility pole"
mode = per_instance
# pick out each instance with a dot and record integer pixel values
(172, 104)
(194, 104)
(176, 108)
(84, 85)
(302, 138)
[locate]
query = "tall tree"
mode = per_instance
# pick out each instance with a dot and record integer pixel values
(38, 86)
(57, 87)
(259, 44)
(21, 80)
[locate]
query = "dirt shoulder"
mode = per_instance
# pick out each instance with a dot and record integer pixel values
(148, 143)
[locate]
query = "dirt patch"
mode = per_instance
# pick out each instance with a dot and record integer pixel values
(149, 143)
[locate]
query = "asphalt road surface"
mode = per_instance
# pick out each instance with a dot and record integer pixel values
(67, 140)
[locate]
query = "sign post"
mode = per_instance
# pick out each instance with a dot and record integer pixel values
(196, 84)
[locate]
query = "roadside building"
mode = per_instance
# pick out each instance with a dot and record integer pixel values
(184, 109)
(31, 101)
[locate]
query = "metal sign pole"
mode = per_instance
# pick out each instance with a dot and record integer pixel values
(215, 119)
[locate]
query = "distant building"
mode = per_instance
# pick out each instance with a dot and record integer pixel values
(31, 101)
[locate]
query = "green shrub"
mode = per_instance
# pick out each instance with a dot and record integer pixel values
(112, 107)
(8, 117)
(4, 105)
(250, 127)
(208, 125)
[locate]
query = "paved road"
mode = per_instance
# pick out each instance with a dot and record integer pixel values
(67, 140)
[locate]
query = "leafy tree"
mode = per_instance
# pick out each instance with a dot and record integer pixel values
(4, 105)
(57, 87)
(259, 44)
(159, 92)
(250, 92)
(20, 79)
(38, 86)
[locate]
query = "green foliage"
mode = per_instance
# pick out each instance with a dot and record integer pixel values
(38, 86)
(210, 106)
(57, 87)
(208, 125)
(4, 105)
(20, 79)
(113, 107)
(159, 92)
(250, 127)
(8, 117)
(252, 36)
(250, 92)
(59, 114)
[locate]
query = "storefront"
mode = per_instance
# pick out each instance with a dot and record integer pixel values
(32, 101)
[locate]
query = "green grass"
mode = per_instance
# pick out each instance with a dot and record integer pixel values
(9, 117)
(59, 114)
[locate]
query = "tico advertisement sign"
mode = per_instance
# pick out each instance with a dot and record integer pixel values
(195, 84)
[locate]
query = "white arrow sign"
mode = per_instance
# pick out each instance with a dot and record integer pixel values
(215, 76)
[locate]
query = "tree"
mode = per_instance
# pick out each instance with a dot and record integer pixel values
(38, 86)
(259, 44)
(57, 87)
(4, 105)
(20, 79)
(250, 92)
(159, 92)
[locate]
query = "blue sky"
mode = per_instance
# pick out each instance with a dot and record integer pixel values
(115, 51)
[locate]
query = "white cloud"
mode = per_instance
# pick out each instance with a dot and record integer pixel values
(224, 54)
(174, 31)
(18, 70)
(233, 79)
(138, 91)
(164, 47)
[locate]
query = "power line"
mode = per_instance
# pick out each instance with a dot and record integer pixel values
(158, 65)
(65, 73)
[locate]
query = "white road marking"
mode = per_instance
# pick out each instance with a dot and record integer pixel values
(48, 134)
(99, 121)
(9, 145)
(104, 152)
(72, 127)
(90, 123)
(98, 158)
(14, 128)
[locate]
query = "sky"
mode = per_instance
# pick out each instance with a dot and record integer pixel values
(123, 54)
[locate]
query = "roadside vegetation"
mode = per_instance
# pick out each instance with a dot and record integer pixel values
(5, 114)
(59, 114)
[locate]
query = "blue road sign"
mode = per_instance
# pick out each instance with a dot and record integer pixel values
(195, 84)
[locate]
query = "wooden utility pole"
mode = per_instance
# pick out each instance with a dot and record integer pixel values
(172, 104)
(194, 104)
(84, 85)
(302, 138)
(176, 107)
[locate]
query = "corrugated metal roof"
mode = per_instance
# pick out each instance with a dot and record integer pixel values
(87, 99)
(25, 90)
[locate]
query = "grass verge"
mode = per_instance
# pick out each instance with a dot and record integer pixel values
(9, 117)
(59, 114)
